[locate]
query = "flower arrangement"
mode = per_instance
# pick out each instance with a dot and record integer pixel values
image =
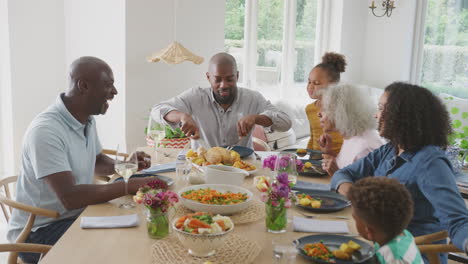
(158, 200)
(277, 196)
(270, 161)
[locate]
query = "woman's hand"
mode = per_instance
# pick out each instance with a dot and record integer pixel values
(329, 164)
(325, 142)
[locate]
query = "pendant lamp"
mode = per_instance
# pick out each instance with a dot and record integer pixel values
(175, 53)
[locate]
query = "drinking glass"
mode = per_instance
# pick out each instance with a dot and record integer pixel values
(183, 168)
(157, 134)
(126, 167)
(286, 162)
(284, 252)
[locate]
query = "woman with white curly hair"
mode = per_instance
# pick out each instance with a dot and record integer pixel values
(347, 110)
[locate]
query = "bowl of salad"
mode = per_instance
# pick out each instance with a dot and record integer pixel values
(202, 233)
(221, 199)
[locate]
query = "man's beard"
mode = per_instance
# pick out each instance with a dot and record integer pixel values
(227, 99)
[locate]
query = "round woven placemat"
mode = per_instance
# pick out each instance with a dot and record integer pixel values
(254, 212)
(235, 250)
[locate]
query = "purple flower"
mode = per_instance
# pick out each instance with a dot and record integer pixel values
(282, 178)
(283, 163)
(269, 162)
(283, 191)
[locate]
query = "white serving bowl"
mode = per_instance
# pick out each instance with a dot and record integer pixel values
(201, 245)
(227, 209)
(221, 174)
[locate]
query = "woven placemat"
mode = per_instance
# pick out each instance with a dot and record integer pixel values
(254, 212)
(235, 250)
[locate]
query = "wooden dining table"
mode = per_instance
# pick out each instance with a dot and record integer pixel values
(132, 245)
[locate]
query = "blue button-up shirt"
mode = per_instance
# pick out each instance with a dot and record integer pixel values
(429, 177)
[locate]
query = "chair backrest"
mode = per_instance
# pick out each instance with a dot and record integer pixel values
(114, 153)
(432, 251)
(5, 185)
(24, 248)
(8, 204)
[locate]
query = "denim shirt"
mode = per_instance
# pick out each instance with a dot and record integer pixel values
(428, 176)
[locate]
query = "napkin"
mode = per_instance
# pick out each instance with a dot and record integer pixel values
(109, 221)
(161, 168)
(302, 185)
(301, 224)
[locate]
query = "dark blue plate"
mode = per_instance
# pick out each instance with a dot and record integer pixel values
(244, 152)
(333, 242)
(331, 201)
(316, 171)
(169, 181)
(311, 154)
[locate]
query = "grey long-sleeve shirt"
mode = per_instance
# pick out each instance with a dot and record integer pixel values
(219, 127)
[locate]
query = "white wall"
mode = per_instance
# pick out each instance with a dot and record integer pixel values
(97, 28)
(149, 27)
(37, 50)
(6, 131)
(353, 34)
(388, 46)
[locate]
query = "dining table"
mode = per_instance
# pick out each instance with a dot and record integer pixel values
(133, 245)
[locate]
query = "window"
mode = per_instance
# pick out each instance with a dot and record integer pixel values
(273, 42)
(445, 51)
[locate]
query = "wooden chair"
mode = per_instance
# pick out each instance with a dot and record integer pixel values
(432, 250)
(7, 204)
(110, 152)
(25, 248)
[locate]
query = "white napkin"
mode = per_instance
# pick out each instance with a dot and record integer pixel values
(302, 224)
(109, 221)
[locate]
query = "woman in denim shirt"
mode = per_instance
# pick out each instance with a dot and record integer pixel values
(416, 124)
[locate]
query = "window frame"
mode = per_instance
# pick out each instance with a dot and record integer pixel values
(249, 73)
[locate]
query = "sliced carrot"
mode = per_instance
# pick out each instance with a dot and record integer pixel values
(221, 224)
(195, 223)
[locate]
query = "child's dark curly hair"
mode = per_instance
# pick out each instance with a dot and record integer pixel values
(383, 203)
(333, 64)
(414, 117)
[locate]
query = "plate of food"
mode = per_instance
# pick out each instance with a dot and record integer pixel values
(219, 156)
(215, 198)
(321, 201)
(167, 180)
(312, 168)
(334, 249)
(310, 154)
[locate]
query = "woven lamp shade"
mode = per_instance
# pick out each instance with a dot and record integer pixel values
(175, 53)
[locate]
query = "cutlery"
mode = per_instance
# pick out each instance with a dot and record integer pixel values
(230, 147)
(324, 216)
(257, 157)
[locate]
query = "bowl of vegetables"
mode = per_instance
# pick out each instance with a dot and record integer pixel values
(221, 199)
(202, 233)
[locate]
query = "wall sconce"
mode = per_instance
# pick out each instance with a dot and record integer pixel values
(387, 7)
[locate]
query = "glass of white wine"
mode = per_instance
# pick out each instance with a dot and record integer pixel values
(126, 166)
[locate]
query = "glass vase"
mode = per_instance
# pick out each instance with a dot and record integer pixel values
(157, 224)
(276, 218)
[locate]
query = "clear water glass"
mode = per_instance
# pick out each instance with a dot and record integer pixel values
(183, 168)
(286, 162)
(284, 252)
